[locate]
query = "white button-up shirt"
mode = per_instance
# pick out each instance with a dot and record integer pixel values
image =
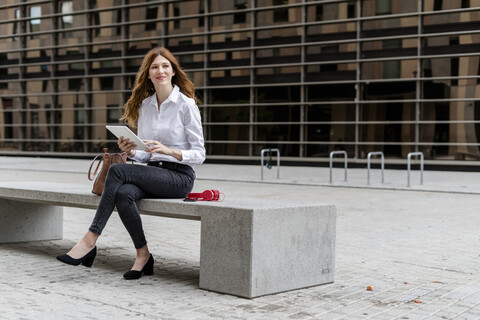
(177, 124)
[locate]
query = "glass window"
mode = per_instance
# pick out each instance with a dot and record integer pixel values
(280, 15)
(277, 132)
(328, 113)
(277, 94)
(228, 114)
(351, 9)
(67, 20)
(330, 132)
(35, 12)
(444, 22)
(228, 21)
(277, 75)
(331, 32)
(231, 148)
(231, 95)
(390, 69)
(230, 40)
(7, 107)
(151, 14)
(390, 136)
(3, 72)
(230, 59)
(228, 77)
(201, 10)
(331, 72)
(280, 113)
(396, 111)
(182, 44)
(331, 11)
(331, 92)
(113, 114)
(277, 55)
(395, 90)
(229, 132)
(16, 26)
(176, 13)
(383, 7)
(323, 149)
(345, 51)
(240, 17)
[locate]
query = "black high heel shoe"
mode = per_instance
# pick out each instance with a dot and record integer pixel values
(147, 270)
(86, 260)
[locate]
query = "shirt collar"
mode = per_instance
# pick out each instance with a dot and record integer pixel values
(172, 97)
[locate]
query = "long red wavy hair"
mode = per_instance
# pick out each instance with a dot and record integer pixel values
(143, 87)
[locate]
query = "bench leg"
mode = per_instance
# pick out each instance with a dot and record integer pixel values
(260, 252)
(23, 221)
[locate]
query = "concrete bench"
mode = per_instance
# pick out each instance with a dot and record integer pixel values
(249, 248)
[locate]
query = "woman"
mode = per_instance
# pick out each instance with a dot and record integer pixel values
(163, 104)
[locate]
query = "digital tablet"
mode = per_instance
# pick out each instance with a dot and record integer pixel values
(126, 133)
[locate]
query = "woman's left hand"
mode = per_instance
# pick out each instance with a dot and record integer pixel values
(157, 147)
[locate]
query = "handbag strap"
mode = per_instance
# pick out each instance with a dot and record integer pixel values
(105, 151)
(118, 158)
(96, 169)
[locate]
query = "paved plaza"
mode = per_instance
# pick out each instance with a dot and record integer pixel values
(401, 252)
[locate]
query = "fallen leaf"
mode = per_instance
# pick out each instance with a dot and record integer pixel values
(405, 282)
(417, 301)
(369, 288)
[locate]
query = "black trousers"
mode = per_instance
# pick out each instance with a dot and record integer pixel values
(127, 183)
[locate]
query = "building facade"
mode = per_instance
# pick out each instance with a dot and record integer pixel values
(305, 76)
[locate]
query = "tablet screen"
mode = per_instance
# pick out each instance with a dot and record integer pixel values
(125, 132)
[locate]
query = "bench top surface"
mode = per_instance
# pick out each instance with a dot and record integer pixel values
(75, 195)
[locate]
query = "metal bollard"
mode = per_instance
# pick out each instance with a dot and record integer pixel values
(369, 156)
(278, 161)
(331, 162)
(421, 166)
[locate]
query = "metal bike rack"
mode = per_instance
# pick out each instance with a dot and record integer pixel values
(369, 157)
(331, 162)
(270, 150)
(421, 166)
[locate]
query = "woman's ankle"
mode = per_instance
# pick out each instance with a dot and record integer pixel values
(89, 239)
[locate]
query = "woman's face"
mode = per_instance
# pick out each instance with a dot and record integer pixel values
(161, 72)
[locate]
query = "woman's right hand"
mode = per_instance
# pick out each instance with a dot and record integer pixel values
(126, 146)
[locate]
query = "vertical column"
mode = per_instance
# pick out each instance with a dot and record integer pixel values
(124, 34)
(165, 20)
(302, 80)
(53, 76)
(251, 132)
(88, 21)
(206, 41)
(358, 85)
(23, 84)
(418, 84)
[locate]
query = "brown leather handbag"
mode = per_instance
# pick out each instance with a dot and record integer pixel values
(105, 160)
